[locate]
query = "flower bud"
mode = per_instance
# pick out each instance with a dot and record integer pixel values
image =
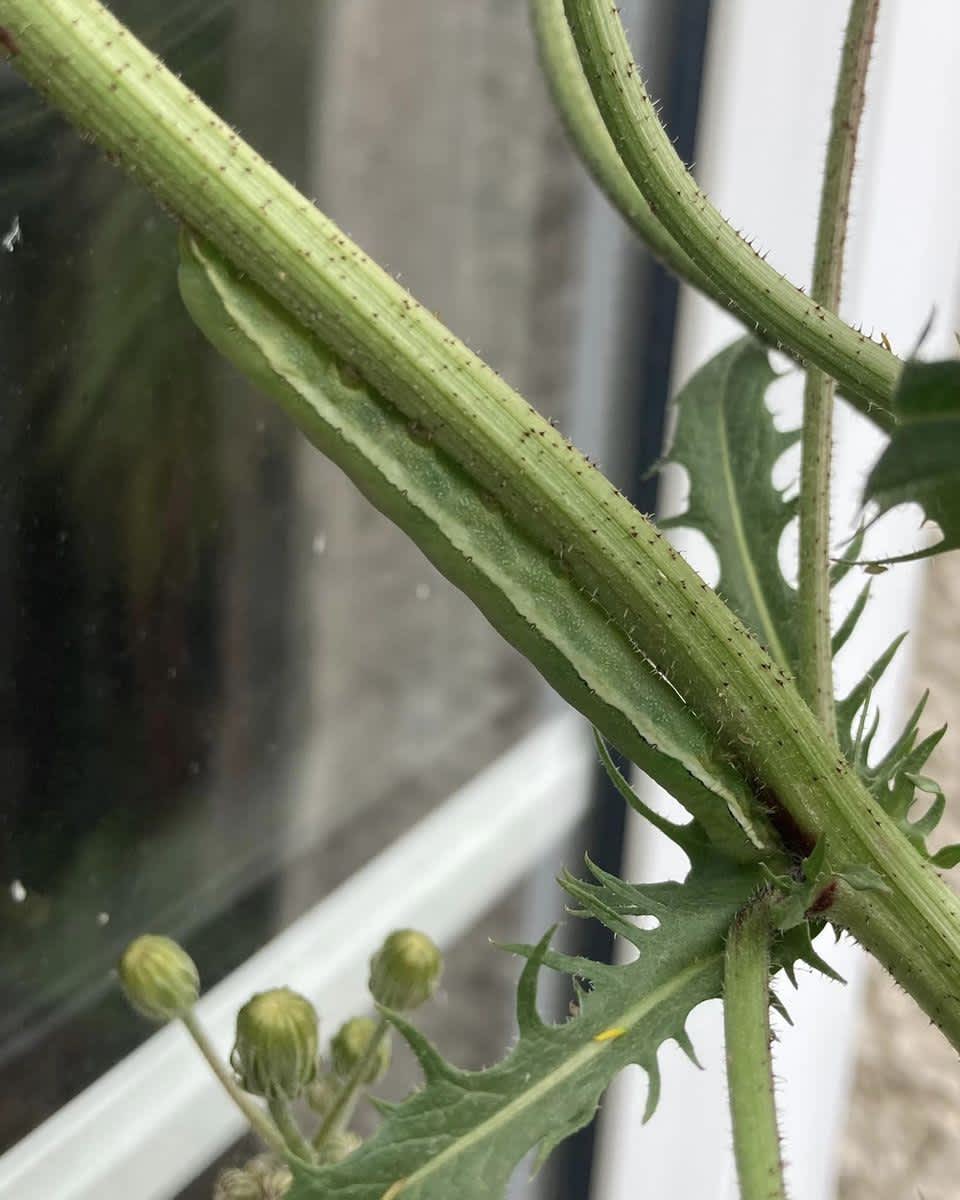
(352, 1043)
(275, 1052)
(237, 1184)
(274, 1176)
(262, 1178)
(159, 978)
(322, 1093)
(340, 1145)
(405, 970)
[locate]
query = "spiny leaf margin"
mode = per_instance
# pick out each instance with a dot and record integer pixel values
(726, 440)
(464, 1133)
(921, 464)
(895, 779)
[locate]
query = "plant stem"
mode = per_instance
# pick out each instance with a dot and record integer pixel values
(746, 1022)
(257, 1119)
(588, 133)
(342, 1107)
(97, 73)
(474, 543)
(815, 661)
(578, 109)
(296, 1143)
(866, 371)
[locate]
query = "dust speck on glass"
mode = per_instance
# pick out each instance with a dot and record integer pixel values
(225, 682)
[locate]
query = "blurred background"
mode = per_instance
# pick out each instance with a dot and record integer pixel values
(239, 708)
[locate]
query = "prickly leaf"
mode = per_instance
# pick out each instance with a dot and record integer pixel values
(464, 1133)
(895, 779)
(726, 440)
(922, 464)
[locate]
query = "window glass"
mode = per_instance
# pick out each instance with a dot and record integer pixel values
(225, 681)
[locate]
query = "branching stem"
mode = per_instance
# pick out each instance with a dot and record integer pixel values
(256, 1117)
(746, 1021)
(783, 314)
(96, 72)
(815, 671)
(588, 133)
(286, 1122)
(342, 1107)
(578, 109)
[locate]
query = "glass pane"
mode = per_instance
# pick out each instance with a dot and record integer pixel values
(225, 681)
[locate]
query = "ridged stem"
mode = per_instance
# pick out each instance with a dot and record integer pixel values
(746, 1023)
(815, 661)
(584, 124)
(577, 108)
(783, 314)
(102, 79)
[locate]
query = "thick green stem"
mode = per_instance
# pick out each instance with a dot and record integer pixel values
(584, 124)
(96, 72)
(296, 1143)
(746, 1023)
(588, 133)
(815, 673)
(866, 371)
(342, 1107)
(258, 1120)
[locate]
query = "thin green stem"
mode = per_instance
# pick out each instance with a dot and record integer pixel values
(102, 79)
(343, 1105)
(296, 1143)
(256, 1118)
(866, 371)
(746, 1023)
(815, 669)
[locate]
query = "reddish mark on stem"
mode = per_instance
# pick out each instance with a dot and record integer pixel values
(9, 42)
(824, 901)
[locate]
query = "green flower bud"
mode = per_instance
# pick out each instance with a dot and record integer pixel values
(159, 978)
(237, 1184)
(275, 1052)
(340, 1145)
(405, 970)
(321, 1094)
(352, 1043)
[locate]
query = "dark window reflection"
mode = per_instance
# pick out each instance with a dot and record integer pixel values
(117, 516)
(225, 682)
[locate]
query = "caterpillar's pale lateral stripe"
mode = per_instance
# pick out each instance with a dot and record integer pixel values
(517, 584)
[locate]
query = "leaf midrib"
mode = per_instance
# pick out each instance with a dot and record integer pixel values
(630, 1017)
(774, 644)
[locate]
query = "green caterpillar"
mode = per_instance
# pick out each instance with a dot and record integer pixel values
(520, 587)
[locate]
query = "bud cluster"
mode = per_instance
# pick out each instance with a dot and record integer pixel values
(276, 1050)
